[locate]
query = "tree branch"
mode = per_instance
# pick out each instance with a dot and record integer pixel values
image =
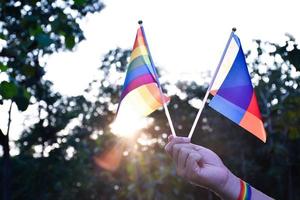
(9, 119)
(2, 137)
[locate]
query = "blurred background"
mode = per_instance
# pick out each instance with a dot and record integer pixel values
(62, 66)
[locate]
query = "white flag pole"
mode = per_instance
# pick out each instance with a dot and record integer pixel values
(140, 22)
(209, 87)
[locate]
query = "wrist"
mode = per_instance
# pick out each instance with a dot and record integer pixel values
(231, 188)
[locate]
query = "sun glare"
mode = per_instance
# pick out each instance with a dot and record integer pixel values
(129, 126)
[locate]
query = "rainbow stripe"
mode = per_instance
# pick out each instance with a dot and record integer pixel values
(233, 92)
(245, 192)
(141, 93)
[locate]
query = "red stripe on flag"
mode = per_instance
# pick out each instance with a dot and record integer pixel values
(139, 39)
(253, 106)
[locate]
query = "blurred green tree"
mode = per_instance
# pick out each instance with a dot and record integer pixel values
(62, 164)
(28, 30)
(276, 70)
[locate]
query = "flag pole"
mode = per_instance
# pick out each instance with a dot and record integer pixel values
(140, 22)
(209, 87)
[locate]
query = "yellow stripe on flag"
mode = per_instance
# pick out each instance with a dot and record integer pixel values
(141, 50)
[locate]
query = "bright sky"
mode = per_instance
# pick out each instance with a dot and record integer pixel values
(185, 38)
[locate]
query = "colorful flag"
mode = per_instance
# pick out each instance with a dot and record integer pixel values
(234, 96)
(141, 94)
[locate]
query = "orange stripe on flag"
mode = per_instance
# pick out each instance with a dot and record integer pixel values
(154, 90)
(254, 125)
(149, 97)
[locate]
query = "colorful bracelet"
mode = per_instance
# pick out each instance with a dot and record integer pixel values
(245, 193)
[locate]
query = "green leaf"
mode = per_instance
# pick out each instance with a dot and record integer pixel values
(79, 2)
(27, 94)
(22, 99)
(70, 42)
(2, 36)
(28, 70)
(3, 68)
(8, 90)
(294, 58)
(36, 31)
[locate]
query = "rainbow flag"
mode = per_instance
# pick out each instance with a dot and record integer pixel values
(141, 94)
(234, 96)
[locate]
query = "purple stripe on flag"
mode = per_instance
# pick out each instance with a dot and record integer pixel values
(237, 87)
(141, 80)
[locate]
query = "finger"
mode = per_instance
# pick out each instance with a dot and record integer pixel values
(175, 140)
(201, 150)
(209, 156)
(169, 148)
(170, 137)
(182, 157)
(193, 165)
(175, 152)
(177, 148)
(188, 146)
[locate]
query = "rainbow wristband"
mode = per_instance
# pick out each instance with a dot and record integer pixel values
(245, 193)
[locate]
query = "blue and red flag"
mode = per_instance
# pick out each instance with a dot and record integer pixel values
(234, 96)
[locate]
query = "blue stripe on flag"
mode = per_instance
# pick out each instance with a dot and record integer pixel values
(133, 74)
(229, 110)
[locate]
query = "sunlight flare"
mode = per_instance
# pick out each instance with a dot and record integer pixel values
(129, 125)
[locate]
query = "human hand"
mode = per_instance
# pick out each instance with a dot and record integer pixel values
(202, 167)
